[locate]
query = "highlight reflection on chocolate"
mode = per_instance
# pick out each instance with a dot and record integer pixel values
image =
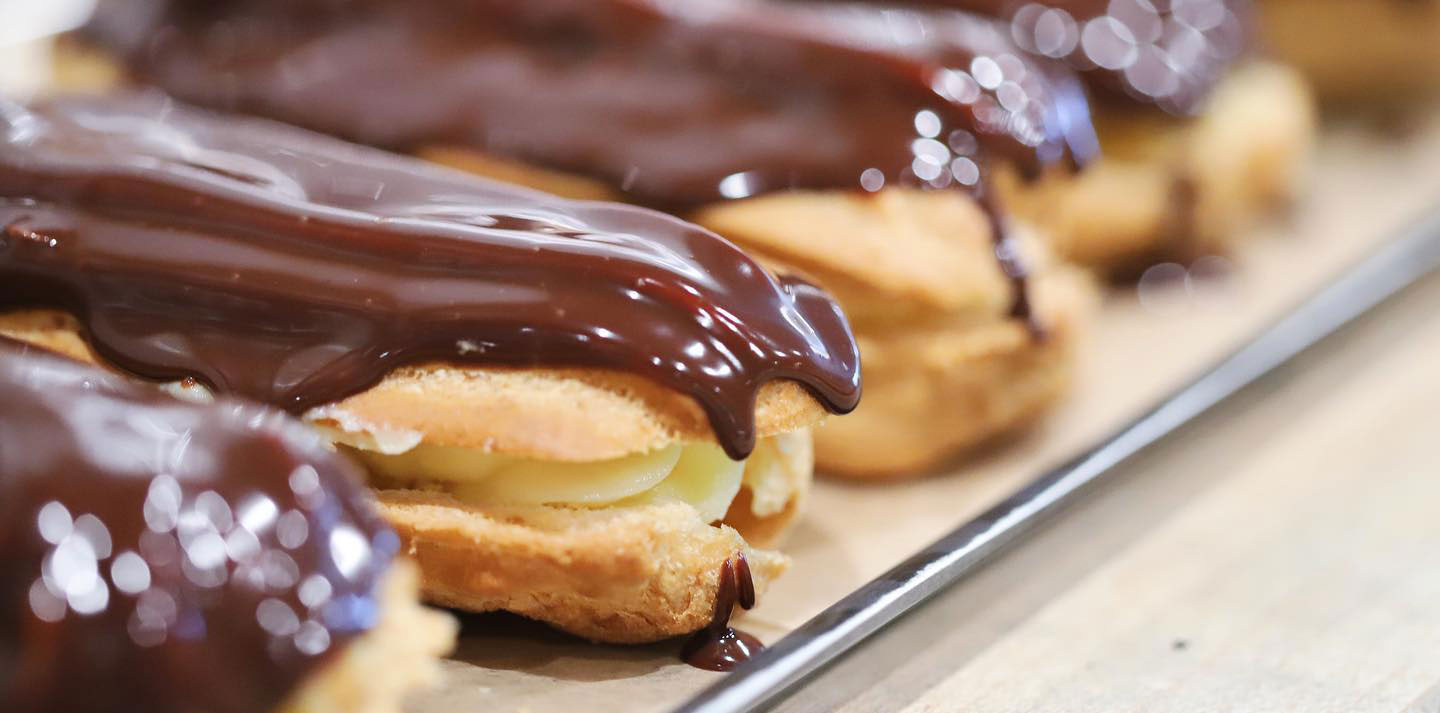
(298, 270)
(167, 557)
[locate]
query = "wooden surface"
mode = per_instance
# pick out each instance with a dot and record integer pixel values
(1280, 556)
(1306, 577)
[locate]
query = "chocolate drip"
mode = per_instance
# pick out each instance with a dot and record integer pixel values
(674, 104)
(1166, 53)
(1007, 254)
(719, 647)
(298, 270)
(745, 584)
(167, 557)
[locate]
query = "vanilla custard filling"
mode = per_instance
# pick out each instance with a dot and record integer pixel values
(698, 474)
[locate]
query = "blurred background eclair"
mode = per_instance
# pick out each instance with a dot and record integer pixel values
(170, 557)
(1200, 136)
(581, 412)
(853, 143)
(1359, 55)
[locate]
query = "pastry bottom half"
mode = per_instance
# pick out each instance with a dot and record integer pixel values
(636, 570)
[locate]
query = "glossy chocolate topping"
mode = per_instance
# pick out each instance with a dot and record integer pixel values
(675, 103)
(720, 647)
(297, 270)
(167, 557)
(1169, 53)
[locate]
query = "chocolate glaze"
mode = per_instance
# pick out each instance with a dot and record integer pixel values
(298, 270)
(719, 647)
(674, 104)
(168, 557)
(677, 104)
(1166, 53)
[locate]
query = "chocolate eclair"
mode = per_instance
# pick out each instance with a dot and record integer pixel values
(1361, 56)
(1200, 138)
(170, 557)
(851, 143)
(575, 411)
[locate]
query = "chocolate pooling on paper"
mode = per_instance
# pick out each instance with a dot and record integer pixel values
(720, 647)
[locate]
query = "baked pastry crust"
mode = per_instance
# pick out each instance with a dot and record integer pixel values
(932, 395)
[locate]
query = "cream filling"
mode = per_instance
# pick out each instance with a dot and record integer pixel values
(698, 474)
